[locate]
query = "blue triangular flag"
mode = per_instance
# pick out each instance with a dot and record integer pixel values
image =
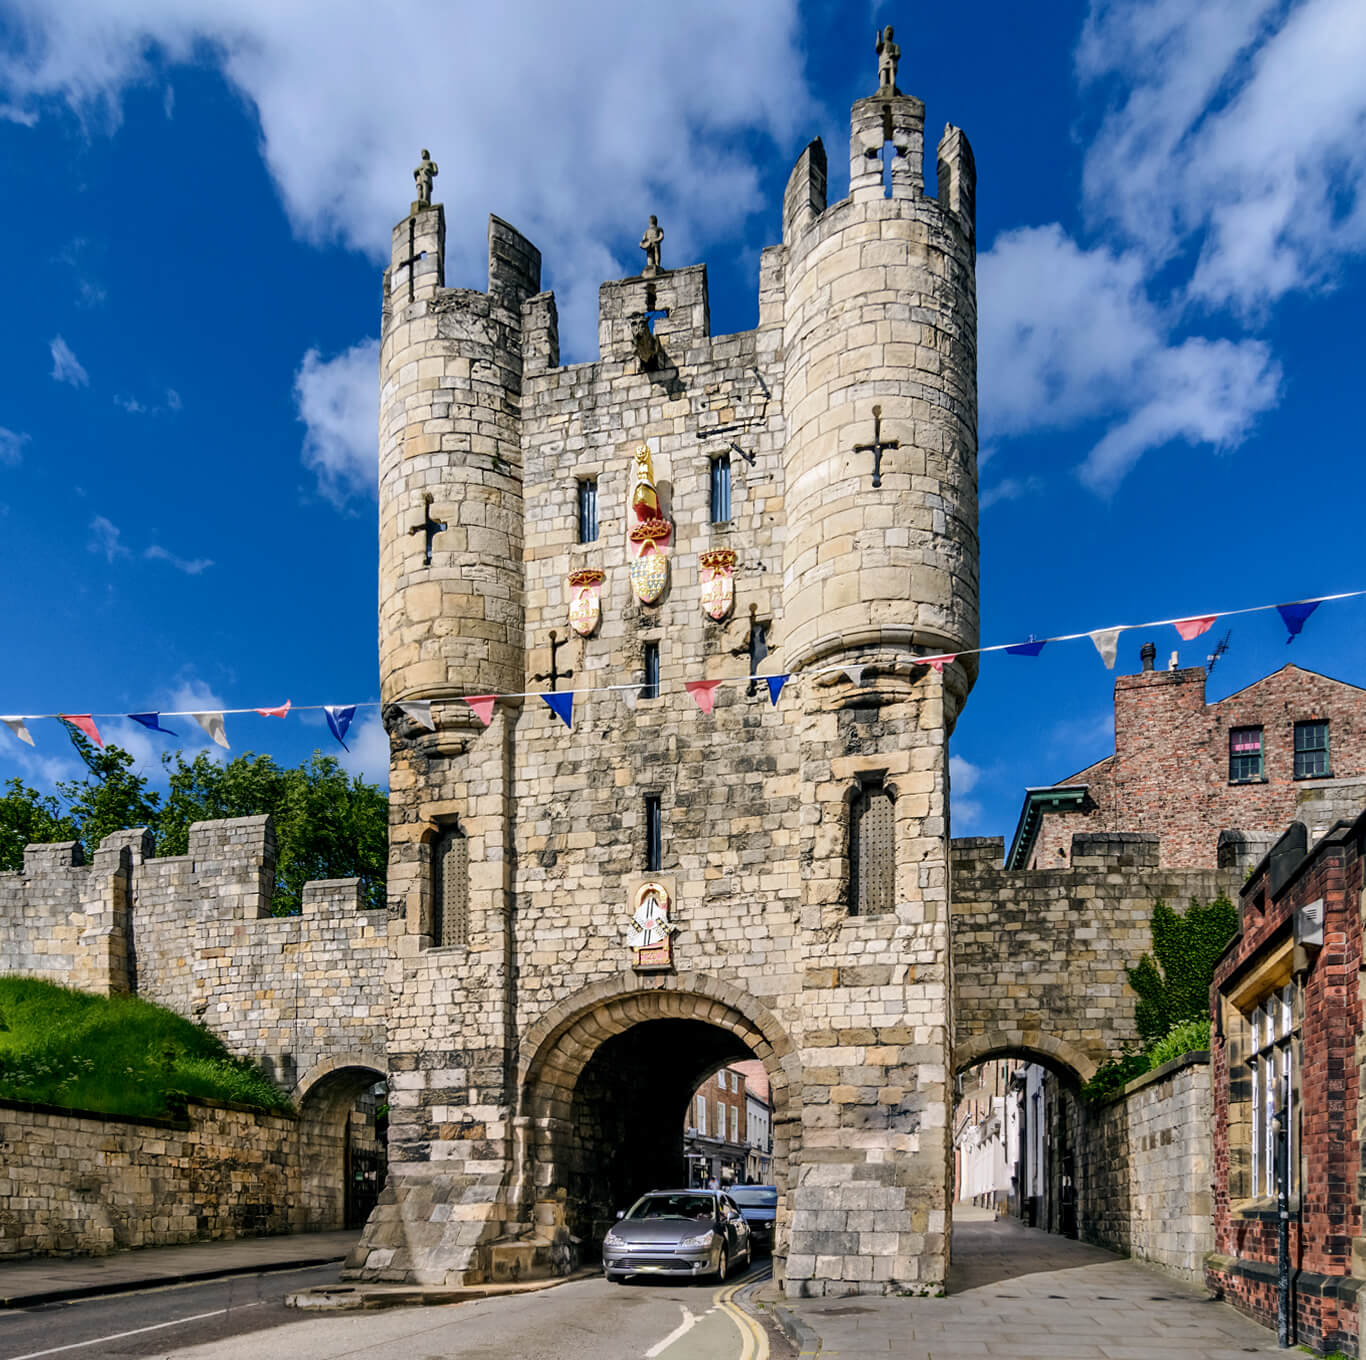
(561, 705)
(775, 687)
(1030, 648)
(1294, 616)
(339, 719)
(152, 720)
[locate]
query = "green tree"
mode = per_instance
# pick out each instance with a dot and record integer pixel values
(1173, 982)
(327, 823)
(28, 817)
(110, 798)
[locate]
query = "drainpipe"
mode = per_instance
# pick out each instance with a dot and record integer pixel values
(1281, 1135)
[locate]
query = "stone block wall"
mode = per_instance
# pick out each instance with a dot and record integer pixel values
(87, 1184)
(1146, 1163)
(194, 933)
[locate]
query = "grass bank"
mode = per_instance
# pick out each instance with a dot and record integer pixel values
(117, 1055)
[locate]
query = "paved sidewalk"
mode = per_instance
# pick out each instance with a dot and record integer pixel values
(1019, 1294)
(49, 1279)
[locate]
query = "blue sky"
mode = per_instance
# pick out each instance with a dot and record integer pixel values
(1171, 225)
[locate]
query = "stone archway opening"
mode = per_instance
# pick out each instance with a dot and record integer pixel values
(1017, 1142)
(343, 1119)
(607, 1097)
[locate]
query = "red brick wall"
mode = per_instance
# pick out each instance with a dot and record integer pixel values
(1328, 1214)
(1169, 773)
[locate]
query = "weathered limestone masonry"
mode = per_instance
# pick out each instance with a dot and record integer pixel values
(83, 1184)
(304, 995)
(1039, 956)
(1146, 1166)
(521, 1036)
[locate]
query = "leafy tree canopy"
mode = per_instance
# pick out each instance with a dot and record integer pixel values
(1173, 982)
(328, 824)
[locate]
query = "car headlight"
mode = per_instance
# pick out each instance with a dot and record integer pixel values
(612, 1240)
(701, 1240)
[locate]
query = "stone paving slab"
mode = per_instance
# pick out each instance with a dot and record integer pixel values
(49, 1279)
(1019, 1294)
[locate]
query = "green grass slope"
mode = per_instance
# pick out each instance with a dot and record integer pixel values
(117, 1055)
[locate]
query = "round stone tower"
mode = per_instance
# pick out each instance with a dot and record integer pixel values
(450, 467)
(880, 391)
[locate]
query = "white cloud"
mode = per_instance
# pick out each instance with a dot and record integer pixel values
(173, 401)
(105, 539)
(130, 404)
(1240, 135)
(338, 400)
(11, 445)
(195, 566)
(1070, 336)
(9, 114)
(574, 122)
(963, 778)
(1008, 489)
(369, 753)
(66, 368)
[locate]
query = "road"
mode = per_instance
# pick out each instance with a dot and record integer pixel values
(244, 1319)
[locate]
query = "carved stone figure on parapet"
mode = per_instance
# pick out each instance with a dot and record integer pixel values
(650, 244)
(888, 55)
(423, 176)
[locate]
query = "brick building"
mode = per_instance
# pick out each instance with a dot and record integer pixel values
(1292, 744)
(1287, 1038)
(714, 1136)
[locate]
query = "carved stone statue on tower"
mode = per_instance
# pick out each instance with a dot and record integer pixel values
(888, 54)
(423, 176)
(650, 243)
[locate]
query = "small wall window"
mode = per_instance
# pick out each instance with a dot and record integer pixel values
(872, 850)
(1311, 750)
(650, 689)
(734, 1124)
(588, 510)
(734, 1081)
(1271, 1060)
(451, 888)
(720, 489)
(701, 1114)
(653, 838)
(721, 1078)
(1244, 755)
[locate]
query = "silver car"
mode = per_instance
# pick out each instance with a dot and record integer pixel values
(677, 1232)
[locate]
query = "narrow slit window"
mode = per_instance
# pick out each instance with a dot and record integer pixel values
(450, 888)
(653, 843)
(872, 851)
(1311, 750)
(720, 489)
(588, 510)
(650, 689)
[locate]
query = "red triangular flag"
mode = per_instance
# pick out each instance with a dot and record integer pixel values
(938, 662)
(482, 704)
(704, 691)
(86, 724)
(1192, 628)
(280, 712)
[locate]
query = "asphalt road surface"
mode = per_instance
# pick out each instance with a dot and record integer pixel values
(244, 1318)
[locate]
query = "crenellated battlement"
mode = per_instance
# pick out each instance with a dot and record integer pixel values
(194, 932)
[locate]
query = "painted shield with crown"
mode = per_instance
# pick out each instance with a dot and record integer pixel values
(650, 533)
(718, 583)
(585, 600)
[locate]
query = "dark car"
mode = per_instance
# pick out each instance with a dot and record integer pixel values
(677, 1232)
(759, 1205)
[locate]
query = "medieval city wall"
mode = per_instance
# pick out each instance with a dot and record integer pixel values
(194, 933)
(1145, 1167)
(1039, 956)
(82, 1184)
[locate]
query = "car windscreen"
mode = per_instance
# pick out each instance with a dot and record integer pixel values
(755, 1196)
(674, 1206)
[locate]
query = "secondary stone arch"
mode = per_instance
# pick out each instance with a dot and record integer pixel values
(1044, 1048)
(632, 1049)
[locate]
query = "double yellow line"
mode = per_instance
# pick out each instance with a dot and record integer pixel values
(753, 1338)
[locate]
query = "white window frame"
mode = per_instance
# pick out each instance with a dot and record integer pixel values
(1271, 1060)
(701, 1113)
(734, 1124)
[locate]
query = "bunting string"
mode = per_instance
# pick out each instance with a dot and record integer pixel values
(340, 717)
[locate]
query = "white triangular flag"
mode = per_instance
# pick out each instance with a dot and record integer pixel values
(1107, 642)
(855, 674)
(420, 711)
(630, 696)
(212, 723)
(20, 729)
